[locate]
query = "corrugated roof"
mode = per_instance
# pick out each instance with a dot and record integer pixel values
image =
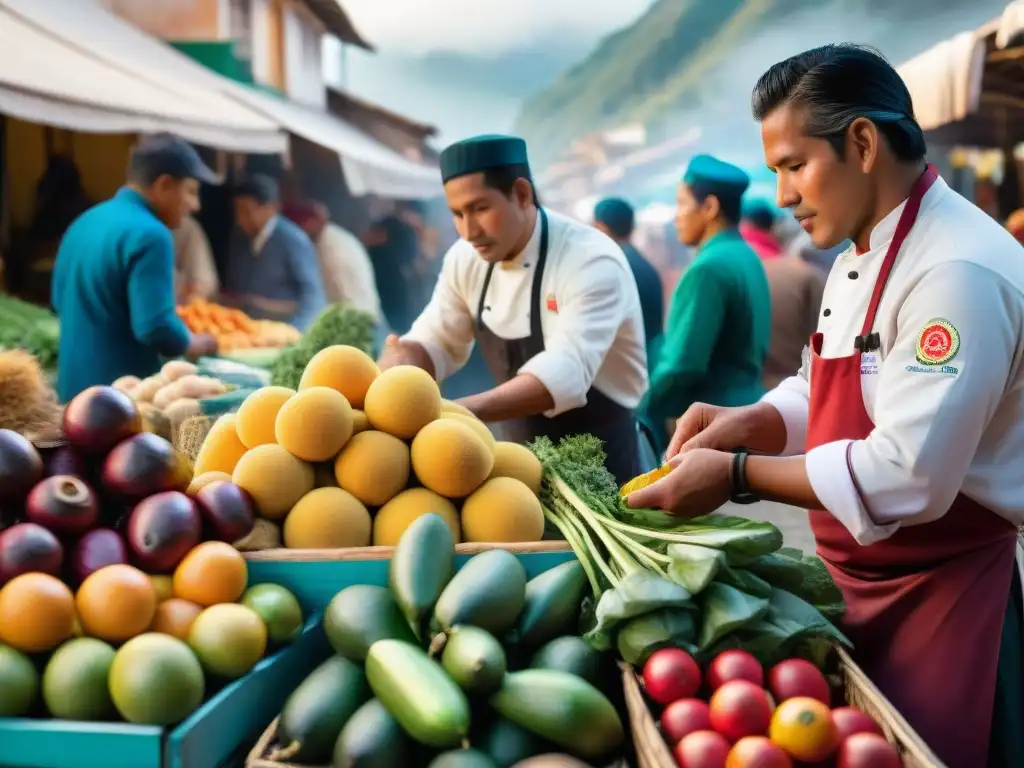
(337, 21)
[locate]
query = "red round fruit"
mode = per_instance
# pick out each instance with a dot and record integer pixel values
(739, 708)
(226, 511)
(21, 466)
(734, 665)
(702, 749)
(145, 465)
(670, 674)
(161, 531)
(757, 752)
(798, 677)
(99, 418)
(849, 721)
(684, 716)
(867, 750)
(97, 549)
(63, 504)
(29, 547)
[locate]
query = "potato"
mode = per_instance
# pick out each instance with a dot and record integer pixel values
(127, 384)
(167, 395)
(177, 369)
(146, 391)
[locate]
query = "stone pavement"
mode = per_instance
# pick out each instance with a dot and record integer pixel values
(790, 520)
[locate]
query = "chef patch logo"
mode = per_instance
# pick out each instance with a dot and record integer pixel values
(938, 342)
(552, 303)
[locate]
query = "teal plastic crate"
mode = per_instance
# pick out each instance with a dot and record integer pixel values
(212, 736)
(315, 582)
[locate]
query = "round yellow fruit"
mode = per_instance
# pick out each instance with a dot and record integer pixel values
(221, 448)
(274, 478)
(475, 424)
(314, 424)
(450, 406)
(394, 517)
(373, 467)
(257, 415)
(449, 458)
(327, 518)
(502, 510)
(228, 639)
(359, 421)
(344, 369)
(402, 400)
(201, 481)
(518, 461)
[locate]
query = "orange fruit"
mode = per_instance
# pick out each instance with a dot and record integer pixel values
(213, 572)
(804, 728)
(37, 612)
(174, 617)
(116, 603)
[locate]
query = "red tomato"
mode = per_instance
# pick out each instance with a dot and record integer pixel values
(702, 749)
(739, 708)
(670, 674)
(683, 717)
(850, 721)
(798, 677)
(804, 728)
(868, 750)
(757, 752)
(734, 665)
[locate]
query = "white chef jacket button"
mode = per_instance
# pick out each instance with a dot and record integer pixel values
(827, 312)
(853, 275)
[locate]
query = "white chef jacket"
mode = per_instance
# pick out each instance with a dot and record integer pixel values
(590, 314)
(347, 271)
(939, 429)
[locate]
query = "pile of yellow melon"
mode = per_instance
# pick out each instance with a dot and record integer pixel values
(356, 454)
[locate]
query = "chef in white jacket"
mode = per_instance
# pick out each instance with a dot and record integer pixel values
(903, 432)
(551, 302)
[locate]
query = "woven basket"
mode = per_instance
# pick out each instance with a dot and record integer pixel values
(189, 435)
(858, 690)
(259, 755)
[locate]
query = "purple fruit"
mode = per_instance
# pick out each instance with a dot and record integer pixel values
(226, 510)
(29, 547)
(145, 465)
(97, 549)
(21, 467)
(161, 531)
(62, 504)
(99, 418)
(64, 461)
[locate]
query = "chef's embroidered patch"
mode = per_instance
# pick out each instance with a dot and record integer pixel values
(938, 342)
(552, 303)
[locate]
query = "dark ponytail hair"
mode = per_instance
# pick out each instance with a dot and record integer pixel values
(837, 84)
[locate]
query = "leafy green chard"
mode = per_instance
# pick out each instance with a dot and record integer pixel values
(705, 584)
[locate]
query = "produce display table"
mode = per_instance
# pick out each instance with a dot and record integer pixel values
(858, 690)
(231, 719)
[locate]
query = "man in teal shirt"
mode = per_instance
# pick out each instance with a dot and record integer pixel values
(113, 280)
(719, 323)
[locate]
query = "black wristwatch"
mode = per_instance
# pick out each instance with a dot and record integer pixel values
(740, 492)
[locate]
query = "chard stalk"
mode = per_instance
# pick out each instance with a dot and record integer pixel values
(608, 569)
(653, 560)
(583, 554)
(649, 533)
(625, 561)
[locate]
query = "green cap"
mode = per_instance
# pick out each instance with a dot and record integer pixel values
(481, 153)
(710, 176)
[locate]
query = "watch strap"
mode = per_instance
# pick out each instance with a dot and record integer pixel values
(739, 491)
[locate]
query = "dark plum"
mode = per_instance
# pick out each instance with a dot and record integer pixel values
(63, 504)
(99, 418)
(161, 531)
(29, 547)
(21, 466)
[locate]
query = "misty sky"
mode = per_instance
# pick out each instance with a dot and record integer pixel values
(484, 29)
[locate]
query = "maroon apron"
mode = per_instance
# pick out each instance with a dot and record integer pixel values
(925, 607)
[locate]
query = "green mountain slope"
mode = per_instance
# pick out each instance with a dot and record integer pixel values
(703, 56)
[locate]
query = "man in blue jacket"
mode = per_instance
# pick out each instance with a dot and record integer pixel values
(113, 280)
(273, 271)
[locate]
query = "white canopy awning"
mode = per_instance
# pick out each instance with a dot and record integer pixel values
(369, 166)
(946, 81)
(60, 66)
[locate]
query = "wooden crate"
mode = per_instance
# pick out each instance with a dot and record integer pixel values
(653, 752)
(282, 555)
